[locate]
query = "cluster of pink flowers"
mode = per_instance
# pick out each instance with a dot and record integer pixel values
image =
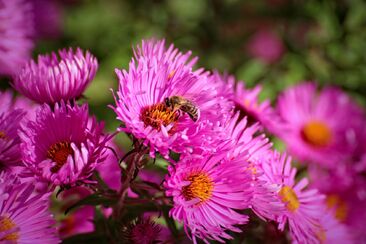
(226, 164)
(212, 131)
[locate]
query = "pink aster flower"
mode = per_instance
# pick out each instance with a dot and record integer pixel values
(265, 202)
(246, 100)
(142, 231)
(207, 192)
(345, 196)
(303, 206)
(266, 46)
(332, 231)
(152, 49)
(56, 77)
(145, 104)
(24, 216)
(110, 170)
(47, 18)
(320, 127)
(78, 222)
(62, 145)
(9, 103)
(11, 115)
(9, 139)
(16, 30)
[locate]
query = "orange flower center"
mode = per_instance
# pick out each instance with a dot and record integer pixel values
(200, 187)
(5, 225)
(321, 235)
(3, 135)
(252, 169)
(341, 208)
(317, 134)
(67, 225)
(59, 152)
(289, 197)
(157, 115)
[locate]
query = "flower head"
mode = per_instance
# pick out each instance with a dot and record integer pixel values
(167, 106)
(56, 77)
(16, 30)
(303, 208)
(142, 231)
(265, 202)
(47, 18)
(207, 192)
(246, 101)
(332, 231)
(320, 127)
(266, 46)
(9, 139)
(11, 114)
(24, 216)
(345, 192)
(62, 146)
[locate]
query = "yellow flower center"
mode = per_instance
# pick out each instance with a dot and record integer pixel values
(200, 187)
(5, 225)
(289, 197)
(341, 209)
(59, 152)
(317, 134)
(157, 115)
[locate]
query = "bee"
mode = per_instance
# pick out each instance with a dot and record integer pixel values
(178, 103)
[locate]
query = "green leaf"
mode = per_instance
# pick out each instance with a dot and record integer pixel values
(90, 238)
(169, 221)
(93, 200)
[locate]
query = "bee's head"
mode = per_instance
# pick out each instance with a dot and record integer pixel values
(167, 102)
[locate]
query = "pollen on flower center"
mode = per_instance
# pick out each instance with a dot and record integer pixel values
(7, 224)
(341, 209)
(157, 115)
(289, 197)
(200, 187)
(317, 133)
(59, 152)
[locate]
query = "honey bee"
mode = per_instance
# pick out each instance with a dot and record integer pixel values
(178, 103)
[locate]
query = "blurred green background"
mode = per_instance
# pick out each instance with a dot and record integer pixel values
(316, 40)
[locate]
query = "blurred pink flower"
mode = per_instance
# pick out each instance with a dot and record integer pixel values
(319, 127)
(47, 18)
(16, 31)
(246, 101)
(333, 232)
(110, 170)
(266, 46)
(77, 221)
